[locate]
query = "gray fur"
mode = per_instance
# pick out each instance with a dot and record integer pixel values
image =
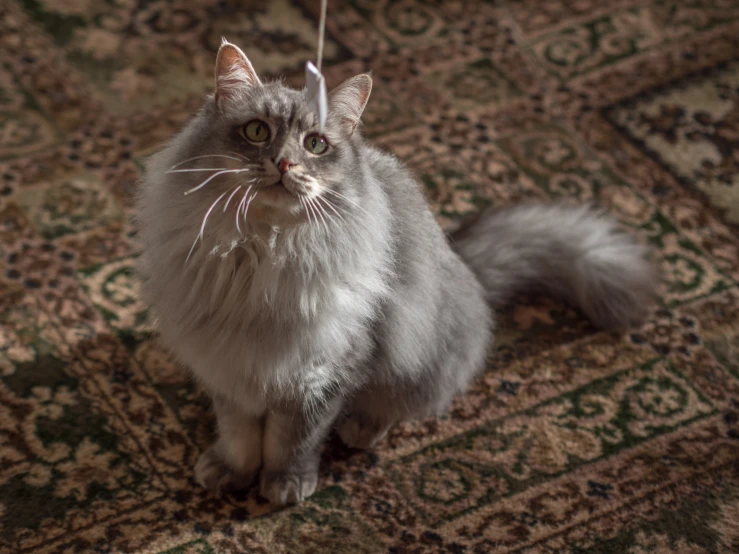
(361, 314)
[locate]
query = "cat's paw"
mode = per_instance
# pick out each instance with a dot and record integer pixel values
(212, 473)
(357, 431)
(287, 488)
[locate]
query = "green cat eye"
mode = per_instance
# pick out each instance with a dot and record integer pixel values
(315, 144)
(256, 130)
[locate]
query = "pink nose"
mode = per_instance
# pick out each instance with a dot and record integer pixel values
(284, 165)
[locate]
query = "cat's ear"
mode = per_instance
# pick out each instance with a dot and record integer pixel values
(347, 101)
(234, 73)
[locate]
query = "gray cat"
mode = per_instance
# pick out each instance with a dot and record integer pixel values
(305, 283)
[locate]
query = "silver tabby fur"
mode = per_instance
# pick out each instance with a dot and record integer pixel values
(357, 315)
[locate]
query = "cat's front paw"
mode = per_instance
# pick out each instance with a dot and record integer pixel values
(212, 473)
(288, 487)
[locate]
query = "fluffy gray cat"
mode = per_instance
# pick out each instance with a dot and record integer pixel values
(305, 283)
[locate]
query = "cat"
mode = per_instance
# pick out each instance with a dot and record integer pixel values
(306, 285)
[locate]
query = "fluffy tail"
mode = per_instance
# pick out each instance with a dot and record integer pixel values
(572, 252)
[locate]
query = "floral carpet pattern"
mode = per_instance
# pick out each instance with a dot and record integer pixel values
(572, 441)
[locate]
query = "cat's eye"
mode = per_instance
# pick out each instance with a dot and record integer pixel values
(315, 144)
(256, 131)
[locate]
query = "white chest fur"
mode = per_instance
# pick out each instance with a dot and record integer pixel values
(250, 328)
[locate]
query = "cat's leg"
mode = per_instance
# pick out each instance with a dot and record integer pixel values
(292, 449)
(368, 417)
(362, 430)
(233, 461)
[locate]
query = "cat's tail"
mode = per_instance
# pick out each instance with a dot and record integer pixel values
(573, 252)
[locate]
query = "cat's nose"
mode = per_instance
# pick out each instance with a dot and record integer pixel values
(284, 165)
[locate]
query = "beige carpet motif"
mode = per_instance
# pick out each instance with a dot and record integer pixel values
(572, 441)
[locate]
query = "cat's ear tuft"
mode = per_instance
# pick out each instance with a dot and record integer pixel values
(347, 101)
(234, 72)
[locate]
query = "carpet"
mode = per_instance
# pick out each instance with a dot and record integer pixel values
(573, 440)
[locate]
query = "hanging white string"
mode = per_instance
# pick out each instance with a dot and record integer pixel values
(321, 33)
(315, 84)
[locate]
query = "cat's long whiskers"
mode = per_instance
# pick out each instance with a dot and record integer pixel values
(202, 227)
(238, 209)
(237, 189)
(191, 249)
(339, 195)
(352, 202)
(197, 169)
(320, 214)
(305, 209)
(331, 207)
(238, 155)
(246, 208)
(209, 179)
(207, 214)
(313, 211)
(183, 162)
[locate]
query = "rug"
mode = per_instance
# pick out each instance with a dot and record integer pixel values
(573, 440)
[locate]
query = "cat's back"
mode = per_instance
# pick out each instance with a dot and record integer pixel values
(392, 173)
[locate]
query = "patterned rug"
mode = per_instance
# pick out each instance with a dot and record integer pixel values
(572, 441)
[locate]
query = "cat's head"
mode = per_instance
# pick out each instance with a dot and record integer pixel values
(262, 142)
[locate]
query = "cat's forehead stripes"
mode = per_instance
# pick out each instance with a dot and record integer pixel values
(287, 106)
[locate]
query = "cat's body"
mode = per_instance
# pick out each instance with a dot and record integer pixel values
(359, 310)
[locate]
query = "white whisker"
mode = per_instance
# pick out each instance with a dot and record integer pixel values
(246, 208)
(312, 211)
(206, 156)
(191, 249)
(305, 209)
(238, 155)
(237, 189)
(352, 202)
(207, 214)
(320, 214)
(197, 169)
(238, 209)
(202, 227)
(331, 207)
(209, 179)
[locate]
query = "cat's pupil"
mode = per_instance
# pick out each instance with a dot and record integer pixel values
(315, 144)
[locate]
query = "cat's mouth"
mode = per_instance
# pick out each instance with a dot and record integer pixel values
(278, 186)
(276, 194)
(286, 192)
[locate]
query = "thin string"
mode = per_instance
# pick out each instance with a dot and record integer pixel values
(321, 32)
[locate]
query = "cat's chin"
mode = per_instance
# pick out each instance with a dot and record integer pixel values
(274, 197)
(276, 206)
